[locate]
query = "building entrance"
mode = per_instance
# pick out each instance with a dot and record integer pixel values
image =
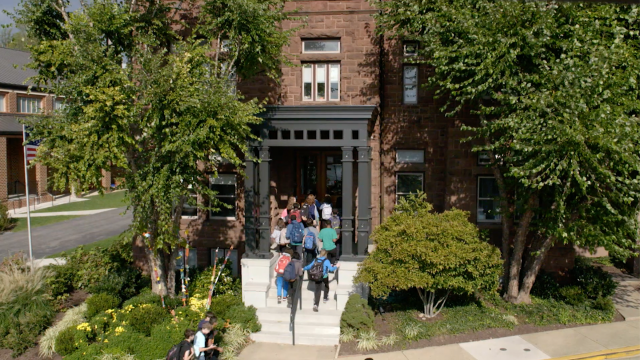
(320, 173)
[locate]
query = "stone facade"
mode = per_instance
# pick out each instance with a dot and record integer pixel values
(371, 73)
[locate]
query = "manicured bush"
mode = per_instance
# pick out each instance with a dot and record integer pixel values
(66, 341)
(594, 281)
(123, 283)
(201, 281)
(231, 308)
(147, 297)
(546, 286)
(435, 253)
(99, 303)
(62, 281)
(72, 317)
(357, 314)
(90, 352)
(144, 317)
(573, 295)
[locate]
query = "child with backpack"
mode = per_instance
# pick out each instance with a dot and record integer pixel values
(276, 235)
(292, 274)
(214, 353)
(336, 224)
(310, 242)
(183, 350)
(319, 273)
(281, 265)
(326, 210)
(309, 209)
(295, 234)
(286, 212)
(329, 238)
(295, 210)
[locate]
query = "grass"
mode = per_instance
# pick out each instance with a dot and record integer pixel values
(104, 243)
(107, 201)
(21, 223)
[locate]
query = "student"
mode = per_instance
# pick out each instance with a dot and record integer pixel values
(310, 242)
(200, 342)
(277, 232)
(293, 285)
(320, 277)
(310, 210)
(286, 212)
(294, 234)
(336, 224)
(325, 209)
(185, 350)
(329, 239)
(295, 211)
(212, 354)
(282, 286)
(206, 320)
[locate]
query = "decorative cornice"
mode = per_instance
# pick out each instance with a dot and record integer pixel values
(314, 112)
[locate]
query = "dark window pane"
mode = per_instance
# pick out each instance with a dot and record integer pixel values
(488, 210)
(189, 210)
(286, 134)
(324, 134)
(409, 183)
(321, 89)
(337, 134)
(307, 90)
(488, 188)
(224, 189)
(312, 135)
(273, 134)
(354, 134)
(298, 134)
(224, 212)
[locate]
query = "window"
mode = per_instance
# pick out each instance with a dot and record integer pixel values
(28, 105)
(315, 78)
(1, 102)
(320, 46)
(190, 211)
(483, 158)
(410, 82)
(225, 186)
(233, 259)
(408, 183)
(58, 104)
(410, 48)
(488, 204)
(192, 261)
(410, 156)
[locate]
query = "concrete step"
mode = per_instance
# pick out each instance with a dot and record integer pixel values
(282, 327)
(324, 316)
(301, 338)
(307, 303)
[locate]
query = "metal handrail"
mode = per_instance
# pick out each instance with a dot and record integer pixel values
(297, 299)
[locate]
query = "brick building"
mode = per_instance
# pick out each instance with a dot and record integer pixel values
(350, 120)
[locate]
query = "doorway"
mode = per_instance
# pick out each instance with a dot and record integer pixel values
(320, 172)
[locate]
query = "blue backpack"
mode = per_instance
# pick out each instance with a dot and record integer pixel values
(309, 239)
(296, 233)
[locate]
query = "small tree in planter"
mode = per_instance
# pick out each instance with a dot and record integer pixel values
(436, 253)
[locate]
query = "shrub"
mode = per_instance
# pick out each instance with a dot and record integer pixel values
(66, 341)
(5, 219)
(99, 303)
(62, 281)
(594, 281)
(144, 317)
(230, 307)
(545, 286)
(123, 283)
(357, 314)
(25, 306)
(234, 339)
(73, 317)
(542, 312)
(347, 334)
(435, 253)
(201, 281)
(147, 297)
(367, 340)
(573, 295)
(90, 352)
(604, 304)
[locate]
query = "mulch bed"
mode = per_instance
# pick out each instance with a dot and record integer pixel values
(385, 328)
(76, 298)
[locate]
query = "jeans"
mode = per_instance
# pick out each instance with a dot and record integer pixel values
(297, 248)
(283, 286)
(309, 256)
(321, 285)
(293, 288)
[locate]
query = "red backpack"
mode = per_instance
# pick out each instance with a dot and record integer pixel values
(283, 261)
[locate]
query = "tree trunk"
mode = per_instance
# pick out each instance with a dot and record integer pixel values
(158, 275)
(431, 307)
(531, 269)
(518, 250)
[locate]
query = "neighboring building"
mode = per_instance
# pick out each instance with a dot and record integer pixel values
(353, 122)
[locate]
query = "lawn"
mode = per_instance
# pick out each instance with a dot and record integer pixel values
(108, 201)
(21, 223)
(104, 243)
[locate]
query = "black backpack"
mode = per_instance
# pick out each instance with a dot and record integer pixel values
(304, 211)
(316, 273)
(174, 352)
(290, 272)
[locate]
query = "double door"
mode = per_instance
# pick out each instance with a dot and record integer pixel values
(320, 172)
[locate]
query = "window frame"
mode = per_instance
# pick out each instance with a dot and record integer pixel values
(189, 217)
(322, 52)
(404, 83)
(411, 162)
(314, 81)
(408, 43)
(3, 98)
(399, 173)
(56, 102)
(481, 158)
(498, 217)
(234, 196)
(38, 100)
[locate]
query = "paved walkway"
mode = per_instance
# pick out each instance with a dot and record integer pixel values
(47, 204)
(627, 296)
(595, 339)
(65, 235)
(61, 213)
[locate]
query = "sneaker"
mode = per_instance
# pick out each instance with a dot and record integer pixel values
(325, 300)
(279, 299)
(315, 308)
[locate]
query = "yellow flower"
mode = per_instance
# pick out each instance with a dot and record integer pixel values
(119, 330)
(84, 327)
(106, 340)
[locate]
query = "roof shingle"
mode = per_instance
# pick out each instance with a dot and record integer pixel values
(15, 75)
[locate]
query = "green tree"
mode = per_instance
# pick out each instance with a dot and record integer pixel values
(432, 252)
(555, 86)
(149, 86)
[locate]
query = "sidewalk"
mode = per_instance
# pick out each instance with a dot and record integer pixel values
(58, 201)
(595, 340)
(61, 213)
(627, 296)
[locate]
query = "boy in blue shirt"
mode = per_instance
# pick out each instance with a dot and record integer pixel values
(321, 279)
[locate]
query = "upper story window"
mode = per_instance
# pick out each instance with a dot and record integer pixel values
(410, 48)
(410, 156)
(58, 104)
(410, 83)
(225, 186)
(320, 46)
(1, 102)
(28, 105)
(488, 202)
(315, 78)
(484, 158)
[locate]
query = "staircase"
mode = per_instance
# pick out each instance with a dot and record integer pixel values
(311, 328)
